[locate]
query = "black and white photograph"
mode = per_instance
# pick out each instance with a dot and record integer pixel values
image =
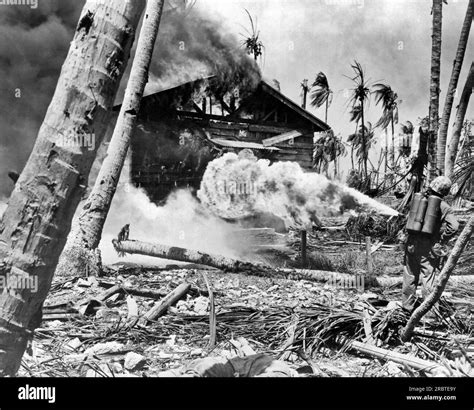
(234, 199)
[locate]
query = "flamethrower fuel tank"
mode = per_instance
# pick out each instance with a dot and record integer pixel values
(420, 214)
(432, 215)
(412, 226)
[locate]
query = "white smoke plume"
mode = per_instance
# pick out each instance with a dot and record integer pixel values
(182, 222)
(239, 186)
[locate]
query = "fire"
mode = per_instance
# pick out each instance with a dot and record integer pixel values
(181, 221)
(236, 186)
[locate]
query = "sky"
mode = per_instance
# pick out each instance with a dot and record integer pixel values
(390, 38)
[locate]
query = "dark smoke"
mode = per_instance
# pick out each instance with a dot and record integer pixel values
(35, 42)
(33, 46)
(191, 46)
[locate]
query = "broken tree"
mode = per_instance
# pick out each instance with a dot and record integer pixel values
(234, 265)
(228, 264)
(453, 83)
(39, 213)
(437, 12)
(459, 122)
(82, 247)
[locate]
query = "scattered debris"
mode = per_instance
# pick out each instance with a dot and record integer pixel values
(134, 361)
(315, 327)
(160, 308)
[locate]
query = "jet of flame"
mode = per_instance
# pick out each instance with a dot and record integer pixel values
(235, 187)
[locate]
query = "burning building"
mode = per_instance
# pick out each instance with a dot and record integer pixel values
(182, 128)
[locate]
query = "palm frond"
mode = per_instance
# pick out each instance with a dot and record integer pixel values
(319, 97)
(322, 92)
(252, 44)
(361, 91)
(251, 21)
(356, 113)
(356, 140)
(408, 128)
(384, 120)
(327, 148)
(388, 98)
(321, 81)
(463, 173)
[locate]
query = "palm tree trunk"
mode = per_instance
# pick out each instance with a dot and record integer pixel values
(386, 154)
(327, 105)
(81, 251)
(453, 83)
(442, 280)
(434, 87)
(352, 156)
(177, 254)
(364, 153)
(39, 213)
(352, 146)
(458, 123)
(392, 150)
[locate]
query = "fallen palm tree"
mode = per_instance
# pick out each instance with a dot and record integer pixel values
(258, 269)
(456, 280)
(229, 264)
(180, 254)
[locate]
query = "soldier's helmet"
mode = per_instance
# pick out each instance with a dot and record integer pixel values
(441, 185)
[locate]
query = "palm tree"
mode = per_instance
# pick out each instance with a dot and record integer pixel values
(407, 130)
(252, 43)
(453, 83)
(336, 149)
(437, 12)
(329, 148)
(355, 116)
(360, 97)
(462, 175)
(322, 93)
(465, 164)
(362, 140)
(81, 250)
(388, 98)
(40, 210)
(459, 121)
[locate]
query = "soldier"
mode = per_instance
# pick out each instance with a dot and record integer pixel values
(425, 253)
(124, 233)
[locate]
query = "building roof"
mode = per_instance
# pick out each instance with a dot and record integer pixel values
(295, 107)
(266, 87)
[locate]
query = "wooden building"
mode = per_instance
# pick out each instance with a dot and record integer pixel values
(182, 128)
